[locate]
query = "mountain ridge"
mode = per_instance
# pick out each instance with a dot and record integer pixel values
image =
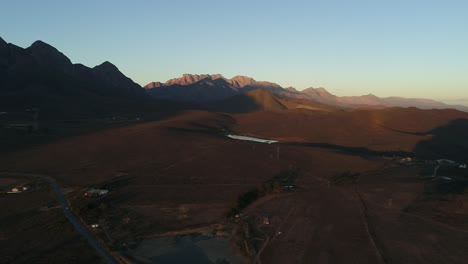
(242, 84)
(42, 76)
(41, 72)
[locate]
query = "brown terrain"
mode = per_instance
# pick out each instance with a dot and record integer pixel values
(333, 189)
(181, 173)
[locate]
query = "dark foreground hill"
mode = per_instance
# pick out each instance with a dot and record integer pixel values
(40, 76)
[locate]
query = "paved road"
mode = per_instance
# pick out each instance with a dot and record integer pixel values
(74, 220)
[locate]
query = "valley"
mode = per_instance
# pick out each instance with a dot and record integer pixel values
(198, 184)
(218, 170)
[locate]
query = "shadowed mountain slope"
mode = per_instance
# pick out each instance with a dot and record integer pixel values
(41, 76)
(255, 100)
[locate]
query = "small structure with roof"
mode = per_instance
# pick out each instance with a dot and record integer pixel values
(18, 189)
(96, 192)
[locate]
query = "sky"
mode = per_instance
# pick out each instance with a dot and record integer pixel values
(406, 48)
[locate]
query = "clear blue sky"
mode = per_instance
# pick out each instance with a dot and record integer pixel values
(406, 48)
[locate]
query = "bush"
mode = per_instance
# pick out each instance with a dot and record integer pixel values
(274, 185)
(243, 201)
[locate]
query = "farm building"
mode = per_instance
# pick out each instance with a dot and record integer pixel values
(96, 192)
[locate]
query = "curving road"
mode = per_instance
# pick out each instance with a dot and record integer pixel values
(74, 220)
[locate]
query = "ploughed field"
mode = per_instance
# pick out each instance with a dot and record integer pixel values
(183, 173)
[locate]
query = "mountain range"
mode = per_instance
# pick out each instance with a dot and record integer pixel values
(41, 76)
(206, 87)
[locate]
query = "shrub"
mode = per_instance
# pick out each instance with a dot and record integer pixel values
(243, 201)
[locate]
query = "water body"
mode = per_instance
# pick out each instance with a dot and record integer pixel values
(187, 249)
(259, 140)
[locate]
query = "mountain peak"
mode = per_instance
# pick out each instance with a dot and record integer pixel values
(242, 81)
(291, 89)
(109, 74)
(108, 69)
(242, 77)
(322, 91)
(370, 96)
(106, 66)
(49, 56)
(187, 79)
(317, 92)
(41, 45)
(217, 76)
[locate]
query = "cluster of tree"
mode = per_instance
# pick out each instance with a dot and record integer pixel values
(277, 184)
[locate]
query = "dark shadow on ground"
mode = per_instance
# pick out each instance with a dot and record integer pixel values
(427, 133)
(448, 142)
(444, 193)
(54, 130)
(237, 104)
(354, 151)
(442, 187)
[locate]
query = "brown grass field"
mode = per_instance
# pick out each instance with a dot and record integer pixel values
(181, 172)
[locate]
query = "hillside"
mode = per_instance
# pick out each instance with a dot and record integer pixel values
(252, 101)
(41, 76)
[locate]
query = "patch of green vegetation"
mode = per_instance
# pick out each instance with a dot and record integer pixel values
(274, 185)
(244, 200)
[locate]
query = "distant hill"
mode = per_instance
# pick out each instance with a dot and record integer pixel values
(206, 87)
(370, 100)
(251, 101)
(263, 100)
(41, 76)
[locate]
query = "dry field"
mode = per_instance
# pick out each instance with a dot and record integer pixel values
(181, 172)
